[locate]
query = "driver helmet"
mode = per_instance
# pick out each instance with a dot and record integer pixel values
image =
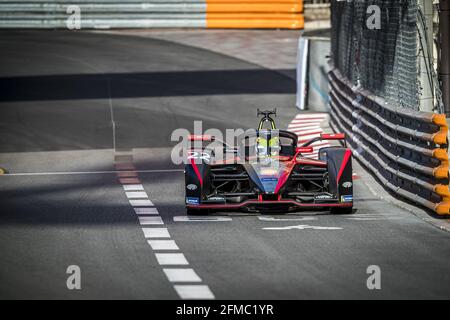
(268, 147)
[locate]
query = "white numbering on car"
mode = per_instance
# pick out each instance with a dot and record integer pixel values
(199, 155)
(347, 185)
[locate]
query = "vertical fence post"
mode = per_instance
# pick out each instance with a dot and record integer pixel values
(444, 67)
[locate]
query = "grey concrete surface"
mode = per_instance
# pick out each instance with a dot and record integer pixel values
(148, 88)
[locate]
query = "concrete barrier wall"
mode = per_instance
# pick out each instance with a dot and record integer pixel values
(283, 14)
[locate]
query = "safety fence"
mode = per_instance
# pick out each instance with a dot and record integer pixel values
(405, 149)
(104, 14)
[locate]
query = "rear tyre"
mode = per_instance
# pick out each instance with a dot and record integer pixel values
(345, 210)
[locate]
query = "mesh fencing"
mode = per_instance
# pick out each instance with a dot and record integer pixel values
(383, 60)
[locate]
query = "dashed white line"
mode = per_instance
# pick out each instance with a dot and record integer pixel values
(136, 194)
(166, 259)
(194, 292)
(127, 174)
(124, 166)
(140, 211)
(140, 202)
(158, 238)
(156, 233)
(149, 220)
(163, 244)
(133, 187)
(182, 275)
(129, 180)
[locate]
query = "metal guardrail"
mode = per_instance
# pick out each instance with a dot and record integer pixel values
(154, 13)
(406, 150)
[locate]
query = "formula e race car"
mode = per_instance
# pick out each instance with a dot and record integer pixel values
(267, 172)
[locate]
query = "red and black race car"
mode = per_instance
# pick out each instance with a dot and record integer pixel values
(266, 172)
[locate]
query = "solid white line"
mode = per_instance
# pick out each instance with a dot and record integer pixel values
(136, 194)
(194, 292)
(182, 275)
(302, 227)
(156, 233)
(141, 203)
(150, 220)
(140, 211)
(169, 259)
(133, 187)
(86, 172)
(163, 244)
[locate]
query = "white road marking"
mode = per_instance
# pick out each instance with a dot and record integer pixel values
(200, 219)
(150, 220)
(271, 219)
(133, 187)
(129, 180)
(166, 259)
(124, 166)
(305, 123)
(373, 218)
(136, 194)
(148, 215)
(309, 137)
(127, 174)
(302, 227)
(141, 203)
(156, 233)
(146, 211)
(316, 131)
(88, 172)
(163, 244)
(300, 128)
(194, 292)
(182, 275)
(311, 115)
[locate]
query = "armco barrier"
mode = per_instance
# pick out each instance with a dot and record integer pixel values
(406, 150)
(154, 13)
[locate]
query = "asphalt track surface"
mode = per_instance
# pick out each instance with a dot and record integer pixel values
(61, 93)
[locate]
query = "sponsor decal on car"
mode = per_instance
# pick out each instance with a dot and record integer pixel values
(324, 197)
(347, 185)
(347, 199)
(190, 200)
(191, 187)
(217, 199)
